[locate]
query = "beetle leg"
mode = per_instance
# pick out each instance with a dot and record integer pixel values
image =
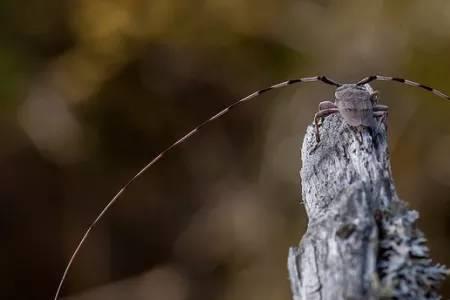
(380, 110)
(319, 115)
(326, 104)
(383, 117)
(380, 107)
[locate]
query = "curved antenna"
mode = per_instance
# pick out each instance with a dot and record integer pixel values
(404, 81)
(323, 79)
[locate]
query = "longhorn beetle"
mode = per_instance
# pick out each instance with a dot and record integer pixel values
(355, 102)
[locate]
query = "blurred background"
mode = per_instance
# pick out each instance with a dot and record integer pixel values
(91, 90)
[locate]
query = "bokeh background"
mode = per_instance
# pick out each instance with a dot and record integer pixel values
(91, 90)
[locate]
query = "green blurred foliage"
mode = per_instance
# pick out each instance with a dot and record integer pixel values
(92, 89)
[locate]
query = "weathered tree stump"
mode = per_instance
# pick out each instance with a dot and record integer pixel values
(361, 241)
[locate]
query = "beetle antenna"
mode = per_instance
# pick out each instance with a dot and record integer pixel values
(404, 81)
(323, 79)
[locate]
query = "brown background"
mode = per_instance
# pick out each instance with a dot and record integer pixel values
(91, 90)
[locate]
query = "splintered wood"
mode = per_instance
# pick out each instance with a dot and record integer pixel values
(361, 241)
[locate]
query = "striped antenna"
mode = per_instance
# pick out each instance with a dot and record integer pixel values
(323, 79)
(405, 81)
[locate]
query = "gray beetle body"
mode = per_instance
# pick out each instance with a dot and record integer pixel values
(357, 104)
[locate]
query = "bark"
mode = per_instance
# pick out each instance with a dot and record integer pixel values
(361, 241)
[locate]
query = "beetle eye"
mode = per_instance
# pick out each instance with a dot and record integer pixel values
(374, 97)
